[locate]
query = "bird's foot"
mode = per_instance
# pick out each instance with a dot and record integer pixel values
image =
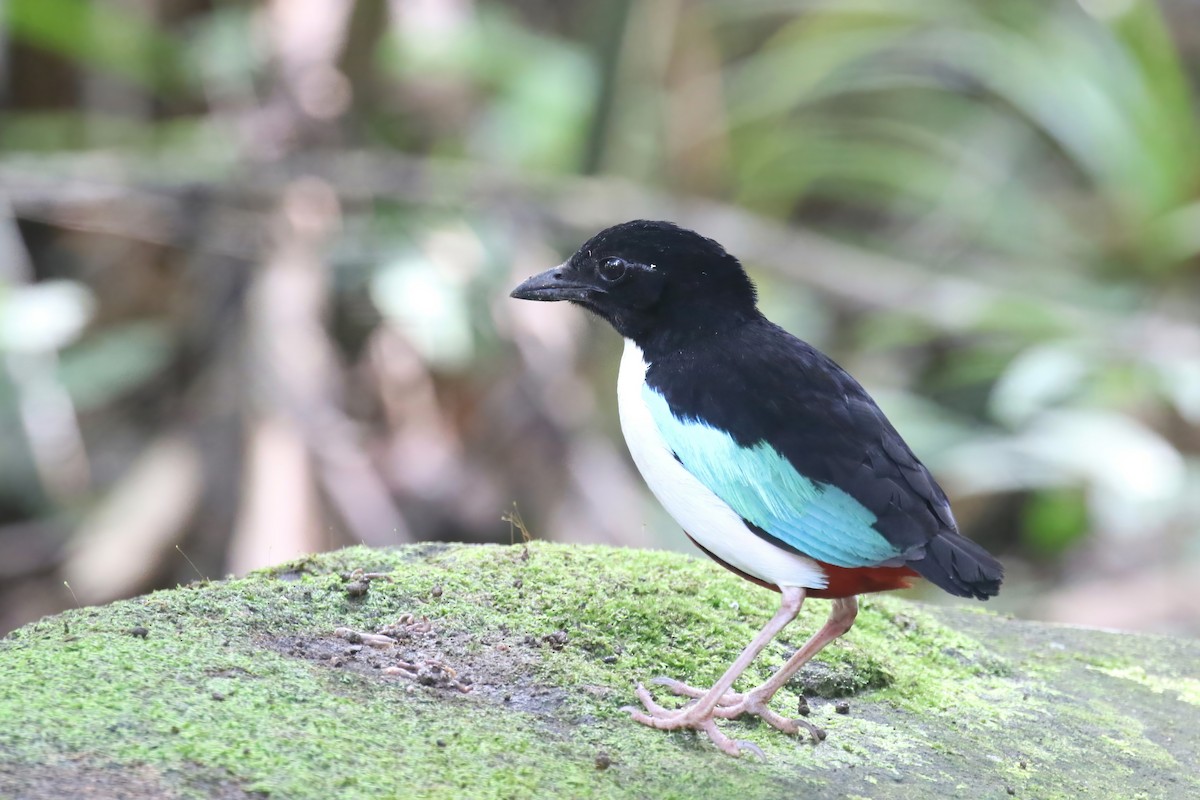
(753, 703)
(734, 704)
(690, 717)
(684, 690)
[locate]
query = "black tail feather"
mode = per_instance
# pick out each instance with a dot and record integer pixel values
(960, 566)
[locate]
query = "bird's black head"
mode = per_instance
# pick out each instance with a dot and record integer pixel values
(653, 281)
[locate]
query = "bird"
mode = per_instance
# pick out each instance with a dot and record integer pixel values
(776, 462)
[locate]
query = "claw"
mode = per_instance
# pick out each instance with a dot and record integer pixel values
(776, 720)
(750, 747)
(818, 734)
(729, 746)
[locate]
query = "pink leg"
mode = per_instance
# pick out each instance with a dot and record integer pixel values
(841, 618)
(699, 715)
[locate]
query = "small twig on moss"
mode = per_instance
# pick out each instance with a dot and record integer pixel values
(357, 637)
(515, 523)
(360, 575)
(407, 625)
(403, 669)
(196, 569)
(430, 673)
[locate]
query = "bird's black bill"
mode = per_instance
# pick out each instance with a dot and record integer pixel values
(553, 284)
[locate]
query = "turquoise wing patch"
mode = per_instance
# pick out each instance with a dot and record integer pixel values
(818, 519)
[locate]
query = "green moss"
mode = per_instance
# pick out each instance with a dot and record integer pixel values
(1187, 689)
(233, 683)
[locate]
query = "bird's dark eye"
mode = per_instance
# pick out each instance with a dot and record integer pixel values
(612, 269)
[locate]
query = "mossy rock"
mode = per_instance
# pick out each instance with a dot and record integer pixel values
(522, 658)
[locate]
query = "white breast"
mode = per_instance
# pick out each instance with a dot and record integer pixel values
(703, 515)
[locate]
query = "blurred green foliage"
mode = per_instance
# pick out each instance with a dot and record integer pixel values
(1006, 194)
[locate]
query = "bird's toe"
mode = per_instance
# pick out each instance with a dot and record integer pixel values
(684, 690)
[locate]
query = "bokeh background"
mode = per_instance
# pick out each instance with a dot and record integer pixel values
(255, 257)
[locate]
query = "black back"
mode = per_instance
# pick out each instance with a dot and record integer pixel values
(760, 383)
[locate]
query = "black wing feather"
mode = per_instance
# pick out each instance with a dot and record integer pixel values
(760, 383)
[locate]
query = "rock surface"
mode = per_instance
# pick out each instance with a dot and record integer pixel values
(500, 672)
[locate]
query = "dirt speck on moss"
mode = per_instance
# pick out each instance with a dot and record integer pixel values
(437, 662)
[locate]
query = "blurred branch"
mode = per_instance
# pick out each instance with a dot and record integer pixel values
(612, 30)
(295, 367)
(80, 192)
(47, 412)
(367, 24)
(51, 425)
(123, 542)
(278, 517)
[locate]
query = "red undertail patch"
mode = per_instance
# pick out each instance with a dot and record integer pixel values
(843, 581)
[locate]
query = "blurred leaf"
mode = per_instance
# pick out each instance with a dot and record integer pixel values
(1024, 316)
(1038, 379)
(888, 331)
(1177, 233)
(47, 132)
(431, 311)
(43, 317)
(107, 364)
(928, 427)
(21, 492)
(1180, 379)
(537, 91)
(1054, 520)
(223, 49)
(102, 35)
(1134, 476)
(997, 105)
